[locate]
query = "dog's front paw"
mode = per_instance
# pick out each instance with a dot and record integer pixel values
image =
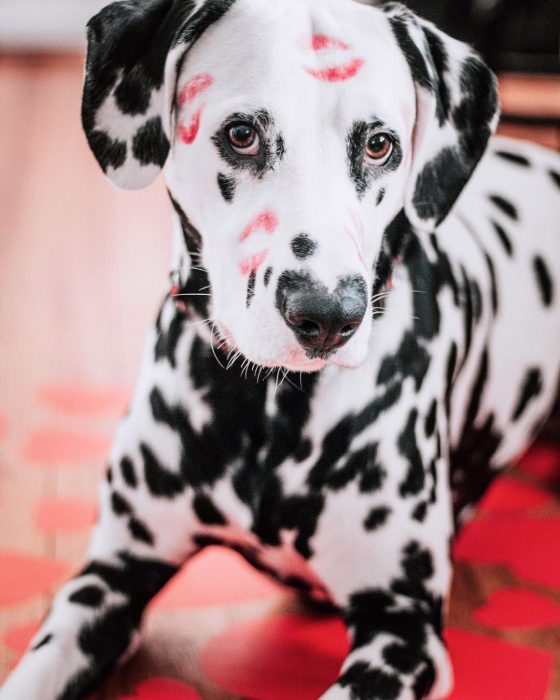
(395, 672)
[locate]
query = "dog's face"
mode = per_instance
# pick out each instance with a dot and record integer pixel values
(293, 133)
(290, 158)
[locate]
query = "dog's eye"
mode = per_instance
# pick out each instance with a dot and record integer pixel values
(379, 148)
(243, 138)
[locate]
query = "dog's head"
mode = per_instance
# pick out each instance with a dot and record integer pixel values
(295, 135)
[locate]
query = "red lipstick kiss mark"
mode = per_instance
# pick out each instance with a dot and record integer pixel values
(252, 264)
(266, 221)
(335, 74)
(194, 87)
(188, 134)
(321, 42)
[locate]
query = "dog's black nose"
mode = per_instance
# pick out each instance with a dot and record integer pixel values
(321, 320)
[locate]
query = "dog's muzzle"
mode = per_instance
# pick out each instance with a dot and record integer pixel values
(323, 321)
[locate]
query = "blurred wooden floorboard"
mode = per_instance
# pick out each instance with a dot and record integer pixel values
(82, 268)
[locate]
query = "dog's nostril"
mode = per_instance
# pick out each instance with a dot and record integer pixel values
(349, 329)
(307, 328)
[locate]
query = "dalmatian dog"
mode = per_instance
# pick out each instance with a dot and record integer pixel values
(362, 327)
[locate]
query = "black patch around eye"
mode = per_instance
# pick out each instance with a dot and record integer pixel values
(260, 163)
(303, 247)
(227, 186)
(532, 387)
(251, 287)
(380, 196)
(504, 238)
(504, 205)
(150, 144)
(513, 158)
(109, 152)
(544, 280)
(267, 276)
(361, 173)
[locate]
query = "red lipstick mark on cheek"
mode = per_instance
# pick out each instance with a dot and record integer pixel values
(194, 87)
(187, 134)
(252, 263)
(266, 221)
(335, 74)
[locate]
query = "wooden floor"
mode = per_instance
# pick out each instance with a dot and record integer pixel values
(82, 267)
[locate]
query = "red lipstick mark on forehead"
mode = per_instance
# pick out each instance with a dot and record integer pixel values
(194, 87)
(339, 70)
(321, 42)
(336, 74)
(266, 221)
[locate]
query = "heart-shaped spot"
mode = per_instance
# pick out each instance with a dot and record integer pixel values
(510, 495)
(64, 515)
(84, 399)
(516, 608)
(491, 669)
(52, 447)
(528, 546)
(23, 576)
(278, 658)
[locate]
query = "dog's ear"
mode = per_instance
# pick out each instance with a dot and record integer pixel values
(456, 112)
(135, 51)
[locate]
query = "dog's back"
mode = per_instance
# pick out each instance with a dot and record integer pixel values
(508, 219)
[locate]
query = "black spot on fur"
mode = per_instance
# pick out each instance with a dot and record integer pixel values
(280, 147)
(140, 531)
(109, 475)
(472, 455)
(397, 234)
(303, 451)
(413, 55)
(544, 280)
(513, 158)
(531, 389)
(408, 447)
(120, 505)
(505, 206)
(88, 596)
(504, 238)
(161, 482)
(400, 657)
(430, 423)
(251, 287)
(167, 341)
(410, 360)
(128, 472)
(441, 64)
(420, 511)
(555, 177)
(267, 276)
(110, 153)
(150, 145)
(206, 511)
(427, 315)
(227, 186)
(366, 682)
(380, 196)
(450, 375)
(42, 642)
(303, 246)
(376, 518)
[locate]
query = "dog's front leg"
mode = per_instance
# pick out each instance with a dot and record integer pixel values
(144, 532)
(390, 574)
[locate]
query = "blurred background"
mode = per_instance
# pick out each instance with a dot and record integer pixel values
(82, 269)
